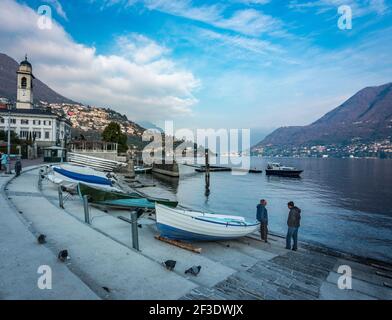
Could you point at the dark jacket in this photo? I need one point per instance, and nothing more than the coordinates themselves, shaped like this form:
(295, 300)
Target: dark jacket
(18, 166)
(294, 218)
(262, 214)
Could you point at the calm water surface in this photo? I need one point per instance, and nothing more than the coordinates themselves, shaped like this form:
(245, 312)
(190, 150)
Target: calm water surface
(346, 203)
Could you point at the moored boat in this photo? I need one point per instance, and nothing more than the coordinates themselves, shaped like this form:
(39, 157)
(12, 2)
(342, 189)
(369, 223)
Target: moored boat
(276, 169)
(120, 200)
(187, 225)
(142, 169)
(72, 174)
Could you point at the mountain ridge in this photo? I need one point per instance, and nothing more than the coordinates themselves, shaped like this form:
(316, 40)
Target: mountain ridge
(366, 116)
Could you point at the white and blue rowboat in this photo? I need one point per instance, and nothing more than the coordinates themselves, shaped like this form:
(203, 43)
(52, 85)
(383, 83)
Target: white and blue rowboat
(73, 174)
(186, 225)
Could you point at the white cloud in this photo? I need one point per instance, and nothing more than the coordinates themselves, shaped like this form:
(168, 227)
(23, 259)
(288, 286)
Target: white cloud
(245, 21)
(138, 80)
(360, 7)
(58, 7)
(262, 2)
(249, 44)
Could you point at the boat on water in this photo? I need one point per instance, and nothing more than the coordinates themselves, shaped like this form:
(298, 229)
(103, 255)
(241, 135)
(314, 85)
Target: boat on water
(120, 200)
(276, 169)
(142, 169)
(73, 174)
(187, 225)
(167, 169)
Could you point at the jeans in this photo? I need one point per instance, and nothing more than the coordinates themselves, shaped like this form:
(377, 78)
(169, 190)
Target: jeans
(264, 231)
(292, 232)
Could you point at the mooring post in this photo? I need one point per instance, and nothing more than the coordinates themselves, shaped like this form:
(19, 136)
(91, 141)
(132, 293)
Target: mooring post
(40, 181)
(86, 210)
(61, 198)
(135, 231)
(207, 176)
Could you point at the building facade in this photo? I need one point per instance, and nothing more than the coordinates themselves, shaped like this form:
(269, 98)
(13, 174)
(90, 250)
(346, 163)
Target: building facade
(25, 98)
(42, 126)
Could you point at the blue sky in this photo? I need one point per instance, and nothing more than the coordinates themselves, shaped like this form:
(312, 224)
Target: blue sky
(256, 64)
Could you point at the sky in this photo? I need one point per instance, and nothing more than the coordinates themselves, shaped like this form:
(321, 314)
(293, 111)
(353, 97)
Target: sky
(257, 64)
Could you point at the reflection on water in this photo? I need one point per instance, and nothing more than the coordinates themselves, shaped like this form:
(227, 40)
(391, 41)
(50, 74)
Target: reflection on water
(169, 182)
(346, 203)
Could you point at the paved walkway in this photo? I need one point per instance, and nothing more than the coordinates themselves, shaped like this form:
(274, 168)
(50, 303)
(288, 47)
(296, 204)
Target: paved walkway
(103, 265)
(21, 256)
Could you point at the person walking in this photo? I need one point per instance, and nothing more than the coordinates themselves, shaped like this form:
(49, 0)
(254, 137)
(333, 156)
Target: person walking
(18, 167)
(262, 217)
(293, 223)
(1, 163)
(4, 161)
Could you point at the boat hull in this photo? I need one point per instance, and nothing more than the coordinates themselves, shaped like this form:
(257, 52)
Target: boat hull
(128, 203)
(283, 173)
(196, 226)
(87, 178)
(120, 199)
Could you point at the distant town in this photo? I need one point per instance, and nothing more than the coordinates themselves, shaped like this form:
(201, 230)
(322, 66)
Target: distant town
(355, 149)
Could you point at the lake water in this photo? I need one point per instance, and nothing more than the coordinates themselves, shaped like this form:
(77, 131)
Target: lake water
(346, 203)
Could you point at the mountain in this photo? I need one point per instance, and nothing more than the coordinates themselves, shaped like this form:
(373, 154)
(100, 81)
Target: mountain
(150, 125)
(42, 92)
(366, 116)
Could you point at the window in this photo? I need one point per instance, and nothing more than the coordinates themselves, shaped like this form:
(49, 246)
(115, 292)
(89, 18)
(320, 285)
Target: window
(24, 82)
(2, 120)
(37, 122)
(37, 134)
(24, 134)
(50, 123)
(24, 121)
(47, 134)
(13, 121)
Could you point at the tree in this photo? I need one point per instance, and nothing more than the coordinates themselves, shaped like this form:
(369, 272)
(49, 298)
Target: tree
(14, 137)
(112, 133)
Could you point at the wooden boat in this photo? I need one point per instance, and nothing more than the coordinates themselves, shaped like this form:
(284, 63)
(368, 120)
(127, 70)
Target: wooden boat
(186, 225)
(276, 169)
(121, 200)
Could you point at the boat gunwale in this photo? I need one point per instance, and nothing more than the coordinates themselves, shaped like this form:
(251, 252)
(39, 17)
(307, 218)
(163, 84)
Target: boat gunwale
(178, 211)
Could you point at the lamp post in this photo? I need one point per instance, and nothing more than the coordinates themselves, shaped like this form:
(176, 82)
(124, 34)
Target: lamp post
(9, 140)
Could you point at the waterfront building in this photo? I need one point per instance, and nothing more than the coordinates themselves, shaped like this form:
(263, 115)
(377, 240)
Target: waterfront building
(41, 125)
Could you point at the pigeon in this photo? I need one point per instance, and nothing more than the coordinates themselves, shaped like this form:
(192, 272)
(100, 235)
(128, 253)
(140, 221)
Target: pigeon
(41, 239)
(195, 270)
(170, 264)
(63, 255)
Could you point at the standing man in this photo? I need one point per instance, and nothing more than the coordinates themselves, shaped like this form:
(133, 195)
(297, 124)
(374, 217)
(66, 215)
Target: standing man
(262, 217)
(1, 163)
(293, 223)
(18, 167)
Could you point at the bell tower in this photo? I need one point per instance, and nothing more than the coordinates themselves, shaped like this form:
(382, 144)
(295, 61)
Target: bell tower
(25, 78)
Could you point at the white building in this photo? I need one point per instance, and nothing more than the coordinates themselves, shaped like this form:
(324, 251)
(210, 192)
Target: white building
(46, 127)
